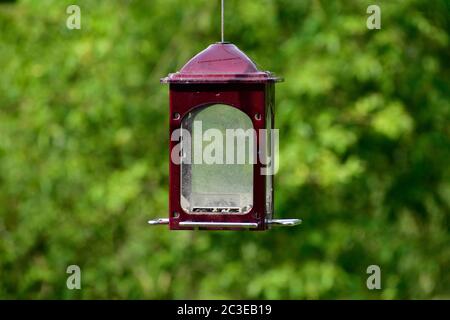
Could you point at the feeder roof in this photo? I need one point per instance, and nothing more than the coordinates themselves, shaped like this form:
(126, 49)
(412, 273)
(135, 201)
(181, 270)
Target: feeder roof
(220, 63)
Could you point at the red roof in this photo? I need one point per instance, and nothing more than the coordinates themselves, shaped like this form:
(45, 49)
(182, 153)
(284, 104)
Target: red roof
(220, 63)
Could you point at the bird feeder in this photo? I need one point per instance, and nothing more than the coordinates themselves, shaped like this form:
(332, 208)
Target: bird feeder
(222, 143)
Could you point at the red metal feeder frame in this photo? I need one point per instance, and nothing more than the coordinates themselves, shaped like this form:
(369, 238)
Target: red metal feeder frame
(223, 74)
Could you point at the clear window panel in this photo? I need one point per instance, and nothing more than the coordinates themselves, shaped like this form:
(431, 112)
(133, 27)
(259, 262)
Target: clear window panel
(223, 185)
(269, 155)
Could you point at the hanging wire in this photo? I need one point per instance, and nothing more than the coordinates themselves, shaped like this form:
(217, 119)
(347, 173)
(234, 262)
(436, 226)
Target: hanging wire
(222, 21)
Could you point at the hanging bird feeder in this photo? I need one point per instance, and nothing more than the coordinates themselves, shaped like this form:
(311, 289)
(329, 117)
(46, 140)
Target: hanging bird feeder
(222, 143)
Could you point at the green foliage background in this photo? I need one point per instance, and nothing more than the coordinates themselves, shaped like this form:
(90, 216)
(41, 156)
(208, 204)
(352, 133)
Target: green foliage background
(365, 148)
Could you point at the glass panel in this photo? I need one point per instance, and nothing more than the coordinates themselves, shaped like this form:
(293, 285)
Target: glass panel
(269, 178)
(217, 164)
